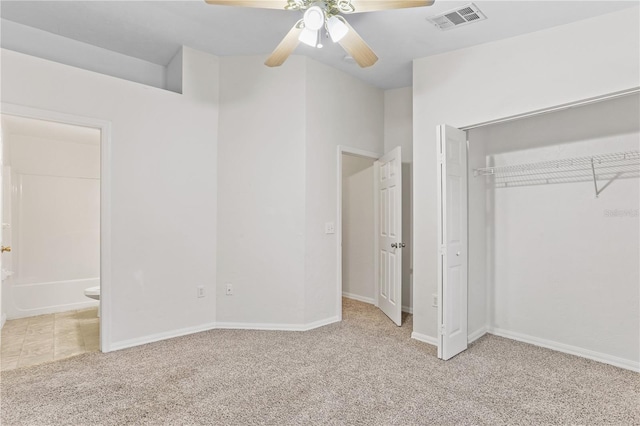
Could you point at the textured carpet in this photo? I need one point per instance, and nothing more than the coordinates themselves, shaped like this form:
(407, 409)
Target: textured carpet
(364, 370)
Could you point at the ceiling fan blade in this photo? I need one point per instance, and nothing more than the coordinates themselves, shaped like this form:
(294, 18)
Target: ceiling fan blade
(285, 48)
(373, 5)
(262, 4)
(357, 48)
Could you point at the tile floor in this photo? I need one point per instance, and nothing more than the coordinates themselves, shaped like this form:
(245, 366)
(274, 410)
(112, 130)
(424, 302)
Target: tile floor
(34, 340)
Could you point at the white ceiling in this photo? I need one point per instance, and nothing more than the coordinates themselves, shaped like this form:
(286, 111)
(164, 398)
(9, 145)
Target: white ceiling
(41, 129)
(154, 30)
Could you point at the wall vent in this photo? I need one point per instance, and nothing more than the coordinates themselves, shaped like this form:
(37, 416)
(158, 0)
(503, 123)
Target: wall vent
(458, 17)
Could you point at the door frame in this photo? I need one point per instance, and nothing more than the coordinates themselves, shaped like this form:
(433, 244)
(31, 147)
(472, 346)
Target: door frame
(105, 199)
(342, 149)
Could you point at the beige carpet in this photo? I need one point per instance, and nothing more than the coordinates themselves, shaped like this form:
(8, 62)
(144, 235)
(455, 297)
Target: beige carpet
(361, 371)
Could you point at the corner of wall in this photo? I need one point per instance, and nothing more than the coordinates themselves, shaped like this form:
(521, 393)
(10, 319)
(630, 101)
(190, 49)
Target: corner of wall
(174, 73)
(355, 110)
(200, 75)
(261, 193)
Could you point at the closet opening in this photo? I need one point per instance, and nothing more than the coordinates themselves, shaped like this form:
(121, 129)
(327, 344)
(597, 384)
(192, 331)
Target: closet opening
(553, 231)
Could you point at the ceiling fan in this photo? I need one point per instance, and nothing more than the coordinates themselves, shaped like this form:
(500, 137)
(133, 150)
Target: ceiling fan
(325, 15)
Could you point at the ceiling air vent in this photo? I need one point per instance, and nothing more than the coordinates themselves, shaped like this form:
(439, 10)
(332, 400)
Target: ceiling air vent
(458, 17)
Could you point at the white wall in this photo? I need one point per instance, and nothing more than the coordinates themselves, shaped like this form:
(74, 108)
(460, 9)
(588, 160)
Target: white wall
(340, 110)
(479, 242)
(358, 250)
(279, 132)
(562, 269)
(163, 184)
(398, 131)
(278, 187)
(261, 191)
(398, 121)
(552, 67)
(54, 223)
(46, 45)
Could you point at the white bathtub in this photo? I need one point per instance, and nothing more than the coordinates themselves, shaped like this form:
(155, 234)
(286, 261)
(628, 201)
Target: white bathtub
(28, 300)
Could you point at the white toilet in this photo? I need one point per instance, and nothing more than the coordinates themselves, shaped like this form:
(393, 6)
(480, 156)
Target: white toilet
(93, 293)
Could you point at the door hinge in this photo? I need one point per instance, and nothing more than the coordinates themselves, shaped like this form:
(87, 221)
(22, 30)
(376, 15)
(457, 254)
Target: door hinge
(443, 250)
(442, 329)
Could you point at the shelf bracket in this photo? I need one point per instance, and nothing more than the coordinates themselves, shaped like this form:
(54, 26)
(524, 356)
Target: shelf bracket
(595, 181)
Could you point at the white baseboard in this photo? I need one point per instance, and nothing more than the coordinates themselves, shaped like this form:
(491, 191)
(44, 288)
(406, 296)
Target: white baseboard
(568, 349)
(321, 323)
(424, 338)
(221, 325)
(476, 335)
(3, 319)
(359, 298)
(371, 301)
(276, 327)
(115, 346)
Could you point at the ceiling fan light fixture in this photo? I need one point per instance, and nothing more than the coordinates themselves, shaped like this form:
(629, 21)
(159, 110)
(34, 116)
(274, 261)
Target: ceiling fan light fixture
(309, 37)
(337, 29)
(314, 18)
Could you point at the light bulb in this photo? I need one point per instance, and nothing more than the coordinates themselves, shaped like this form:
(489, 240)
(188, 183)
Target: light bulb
(314, 18)
(308, 37)
(337, 29)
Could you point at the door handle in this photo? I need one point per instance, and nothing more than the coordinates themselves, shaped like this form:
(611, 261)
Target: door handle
(3, 249)
(458, 254)
(398, 245)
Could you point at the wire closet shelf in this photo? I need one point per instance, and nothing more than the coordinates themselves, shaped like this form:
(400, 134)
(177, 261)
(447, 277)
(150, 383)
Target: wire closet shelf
(603, 167)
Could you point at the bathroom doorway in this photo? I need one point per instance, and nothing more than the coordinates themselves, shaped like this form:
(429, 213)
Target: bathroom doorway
(51, 232)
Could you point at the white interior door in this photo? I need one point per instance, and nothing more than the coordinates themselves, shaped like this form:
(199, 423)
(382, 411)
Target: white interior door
(388, 189)
(452, 268)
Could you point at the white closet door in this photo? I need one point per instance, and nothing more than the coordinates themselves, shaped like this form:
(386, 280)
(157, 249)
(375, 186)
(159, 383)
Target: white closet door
(452, 268)
(388, 184)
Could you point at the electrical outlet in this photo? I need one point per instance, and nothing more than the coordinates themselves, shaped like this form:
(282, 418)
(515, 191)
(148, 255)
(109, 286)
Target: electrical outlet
(329, 228)
(435, 301)
(200, 291)
(229, 291)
